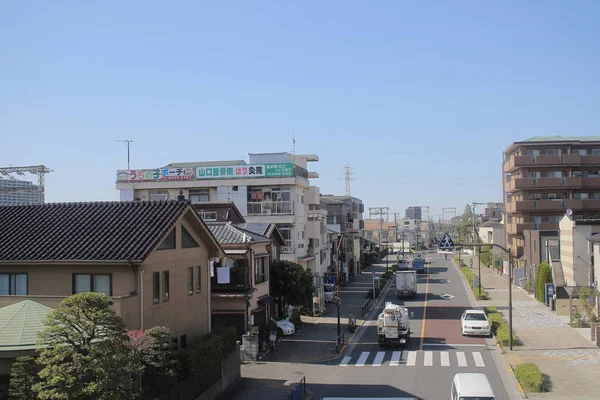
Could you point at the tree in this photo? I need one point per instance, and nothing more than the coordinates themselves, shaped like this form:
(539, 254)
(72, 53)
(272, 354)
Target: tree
(465, 226)
(544, 276)
(23, 376)
(84, 352)
(291, 283)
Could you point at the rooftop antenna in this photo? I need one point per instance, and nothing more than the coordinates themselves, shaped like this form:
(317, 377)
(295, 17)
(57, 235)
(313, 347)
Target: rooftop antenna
(128, 143)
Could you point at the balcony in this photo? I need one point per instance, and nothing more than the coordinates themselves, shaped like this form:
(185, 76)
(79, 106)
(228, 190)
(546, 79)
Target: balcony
(519, 228)
(582, 182)
(516, 162)
(238, 281)
(519, 183)
(535, 205)
(547, 160)
(583, 204)
(288, 248)
(270, 208)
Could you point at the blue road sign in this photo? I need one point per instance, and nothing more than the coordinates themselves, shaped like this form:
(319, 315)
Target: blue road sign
(446, 242)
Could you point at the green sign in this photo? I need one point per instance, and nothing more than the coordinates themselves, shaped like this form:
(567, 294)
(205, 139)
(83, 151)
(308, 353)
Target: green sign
(282, 170)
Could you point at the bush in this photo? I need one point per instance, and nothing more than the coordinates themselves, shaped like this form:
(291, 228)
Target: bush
(544, 276)
(209, 350)
(470, 278)
(490, 310)
(483, 295)
(530, 377)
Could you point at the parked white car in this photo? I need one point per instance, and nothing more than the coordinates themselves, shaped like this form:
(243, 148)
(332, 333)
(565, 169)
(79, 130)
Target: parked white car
(285, 327)
(475, 322)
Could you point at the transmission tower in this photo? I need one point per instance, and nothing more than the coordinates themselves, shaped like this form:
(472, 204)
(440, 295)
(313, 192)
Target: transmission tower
(38, 170)
(348, 172)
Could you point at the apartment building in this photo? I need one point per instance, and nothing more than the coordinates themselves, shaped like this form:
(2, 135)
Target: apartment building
(375, 229)
(270, 188)
(345, 217)
(493, 212)
(545, 176)
(413, 212)
(16, 191)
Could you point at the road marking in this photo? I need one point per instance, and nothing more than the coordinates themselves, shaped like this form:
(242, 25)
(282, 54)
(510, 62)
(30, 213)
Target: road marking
(462, 360)
(345, 361)
(428, 359)
(447, 296)
(445, 358)
(478, 359)
(411, 361)
(451, 345)
(424, 310)
(395, 358)
(362, 359)
(378, 358)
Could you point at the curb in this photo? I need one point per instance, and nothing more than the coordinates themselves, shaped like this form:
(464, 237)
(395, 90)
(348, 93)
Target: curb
(512, 371)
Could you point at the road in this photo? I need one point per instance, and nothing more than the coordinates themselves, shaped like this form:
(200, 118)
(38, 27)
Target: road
(422, 369)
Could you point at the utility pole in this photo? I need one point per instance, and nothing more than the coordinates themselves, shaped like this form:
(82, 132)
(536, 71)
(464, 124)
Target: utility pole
(128, 143)
(380, 211)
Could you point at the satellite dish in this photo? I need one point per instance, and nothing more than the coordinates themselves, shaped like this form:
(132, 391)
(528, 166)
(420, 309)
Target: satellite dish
(569, 212)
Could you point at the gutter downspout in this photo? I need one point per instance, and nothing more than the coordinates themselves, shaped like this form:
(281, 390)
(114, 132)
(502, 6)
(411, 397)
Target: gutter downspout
(141, 299)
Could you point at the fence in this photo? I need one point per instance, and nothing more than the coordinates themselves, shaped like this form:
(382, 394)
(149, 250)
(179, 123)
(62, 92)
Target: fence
(299, 391)
(193, 386)
(366, 308)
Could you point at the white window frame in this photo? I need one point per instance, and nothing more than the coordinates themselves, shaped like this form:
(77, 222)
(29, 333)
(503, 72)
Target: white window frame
(199, 195)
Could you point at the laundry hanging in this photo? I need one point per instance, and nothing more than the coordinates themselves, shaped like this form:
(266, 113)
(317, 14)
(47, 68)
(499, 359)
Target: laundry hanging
(223, 275)
(212, 268)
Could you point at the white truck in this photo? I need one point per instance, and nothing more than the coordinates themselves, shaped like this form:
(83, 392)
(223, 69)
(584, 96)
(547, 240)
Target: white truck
(406, 283)
(393, 324)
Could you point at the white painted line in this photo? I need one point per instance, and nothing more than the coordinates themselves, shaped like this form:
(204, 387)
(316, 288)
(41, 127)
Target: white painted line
(445, 357)
(362, 359)
(462, 360)
(428, 359)
(378, 358)
(453, 345)
(395, 358)
(345, 361)
(478, 359)
(411, 361)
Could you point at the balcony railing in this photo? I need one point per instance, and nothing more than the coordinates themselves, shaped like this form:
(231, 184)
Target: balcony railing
(551, 160)
(271, 208)
(568, 182)
(287, 249)
(238, 281)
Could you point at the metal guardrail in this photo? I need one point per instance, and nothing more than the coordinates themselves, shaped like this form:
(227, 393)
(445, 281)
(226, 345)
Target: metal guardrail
(299, 392)
(366, 308)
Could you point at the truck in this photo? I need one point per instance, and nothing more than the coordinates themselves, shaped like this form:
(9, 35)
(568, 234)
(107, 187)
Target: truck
(393, 324)
(406, 283)
(418, 264)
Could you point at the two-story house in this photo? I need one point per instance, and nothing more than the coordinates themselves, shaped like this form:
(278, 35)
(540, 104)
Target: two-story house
(151, 258)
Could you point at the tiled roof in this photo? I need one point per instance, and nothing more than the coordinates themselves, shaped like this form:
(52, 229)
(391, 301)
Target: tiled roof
(192, 164)
(20, 324)
(490, 224)
(260, 228)
(227, 233)
(100, 231)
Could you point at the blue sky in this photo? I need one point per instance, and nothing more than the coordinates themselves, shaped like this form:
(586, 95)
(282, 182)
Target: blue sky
(421, 98)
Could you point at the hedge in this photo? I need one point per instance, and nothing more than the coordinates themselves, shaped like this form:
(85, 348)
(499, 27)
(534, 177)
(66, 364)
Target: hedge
(530, 377)
(483, 295)
(209, 350)
(500, 328)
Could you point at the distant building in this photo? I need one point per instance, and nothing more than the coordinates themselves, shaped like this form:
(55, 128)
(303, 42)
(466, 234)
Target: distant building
(15, 191)
(413, 212)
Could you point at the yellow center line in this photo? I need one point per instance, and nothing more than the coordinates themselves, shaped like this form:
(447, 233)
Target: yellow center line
(424, 309)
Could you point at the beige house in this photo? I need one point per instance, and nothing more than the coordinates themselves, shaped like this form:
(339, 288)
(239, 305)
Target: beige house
(151, 258)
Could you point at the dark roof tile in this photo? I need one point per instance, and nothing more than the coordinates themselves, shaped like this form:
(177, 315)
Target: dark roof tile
(227, 233)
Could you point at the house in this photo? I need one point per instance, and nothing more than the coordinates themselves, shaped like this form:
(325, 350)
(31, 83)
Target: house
(492, 232)
(240, 289)
(151, 258)
(219, 211)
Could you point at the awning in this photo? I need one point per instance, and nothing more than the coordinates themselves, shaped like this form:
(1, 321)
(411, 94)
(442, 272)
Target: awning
(266, 299)
(236, 251)
(306, 258)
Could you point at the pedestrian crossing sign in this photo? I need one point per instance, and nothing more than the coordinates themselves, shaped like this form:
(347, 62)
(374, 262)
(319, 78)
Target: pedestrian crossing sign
(446, 242)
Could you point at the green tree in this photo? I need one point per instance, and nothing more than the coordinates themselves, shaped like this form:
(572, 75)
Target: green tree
(23, 375)
(84, 352)
(291, 283)
(465, 226)
(544, 275)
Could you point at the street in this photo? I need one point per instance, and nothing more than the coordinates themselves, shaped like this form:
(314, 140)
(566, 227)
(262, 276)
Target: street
(422, 369)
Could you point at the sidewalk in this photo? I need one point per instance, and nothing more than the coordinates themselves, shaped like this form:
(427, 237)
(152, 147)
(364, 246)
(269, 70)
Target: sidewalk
(315, 338)
(565, 355)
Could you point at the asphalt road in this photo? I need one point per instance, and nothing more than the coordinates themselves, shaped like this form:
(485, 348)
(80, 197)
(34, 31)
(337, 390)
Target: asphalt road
(423, 368)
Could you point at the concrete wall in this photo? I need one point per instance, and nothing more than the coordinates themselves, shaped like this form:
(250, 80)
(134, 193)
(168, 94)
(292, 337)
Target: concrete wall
(231, 373)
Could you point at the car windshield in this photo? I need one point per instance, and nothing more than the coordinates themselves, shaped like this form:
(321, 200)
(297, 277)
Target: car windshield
(475, 317)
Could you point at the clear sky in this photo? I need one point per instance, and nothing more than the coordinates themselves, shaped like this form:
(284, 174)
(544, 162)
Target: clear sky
(420, 97)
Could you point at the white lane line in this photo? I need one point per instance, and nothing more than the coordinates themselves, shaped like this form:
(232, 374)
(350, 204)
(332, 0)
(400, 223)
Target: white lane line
(362, 359)
(462, 360)
(395, 358)
(411, 361)
(428, 359)
(378, 358)
(445, 358)
(478, 359)
(345, 361)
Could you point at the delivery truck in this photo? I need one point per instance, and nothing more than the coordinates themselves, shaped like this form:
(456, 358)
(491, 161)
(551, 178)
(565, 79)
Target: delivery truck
(406, 283)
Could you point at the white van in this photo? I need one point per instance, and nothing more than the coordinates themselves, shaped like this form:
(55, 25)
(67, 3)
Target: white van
(470, 386)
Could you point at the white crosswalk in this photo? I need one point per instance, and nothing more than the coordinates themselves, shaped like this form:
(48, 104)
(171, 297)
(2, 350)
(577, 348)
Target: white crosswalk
(413, 358)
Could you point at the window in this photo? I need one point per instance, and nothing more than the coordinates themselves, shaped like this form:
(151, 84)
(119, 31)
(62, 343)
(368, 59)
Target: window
(169, 241)
(260, 265)
(100, 283)
(581, 152)
(536, 196)
(183, 341)
(13, 284)
(190, 280)
(187, 240)
(165, 285)
(554, 152)
(532, 152)
(554, 174)
(596, 152)
(301, 199)
(199, 195)
(158, 195)
(156, 287)
(208, 215)
(533, 174)
(198, 279)
(580, 196)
